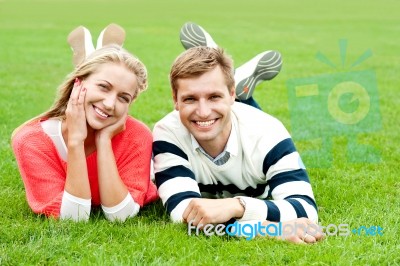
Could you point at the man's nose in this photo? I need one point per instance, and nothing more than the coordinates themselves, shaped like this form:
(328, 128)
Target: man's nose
(203, 109)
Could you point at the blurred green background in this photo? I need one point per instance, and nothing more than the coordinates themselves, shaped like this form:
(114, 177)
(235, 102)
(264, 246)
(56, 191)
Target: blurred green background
(35, 58)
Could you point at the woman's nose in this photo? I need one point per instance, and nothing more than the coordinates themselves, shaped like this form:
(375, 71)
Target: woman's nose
(109, 102)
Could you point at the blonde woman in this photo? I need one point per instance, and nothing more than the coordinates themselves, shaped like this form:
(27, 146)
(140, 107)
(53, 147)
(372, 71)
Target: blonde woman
(86, 151)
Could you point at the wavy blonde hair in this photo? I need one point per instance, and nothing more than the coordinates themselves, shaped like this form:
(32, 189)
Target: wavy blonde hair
(107, 54)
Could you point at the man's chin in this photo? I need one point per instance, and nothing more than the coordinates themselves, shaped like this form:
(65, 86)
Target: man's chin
(202, 136)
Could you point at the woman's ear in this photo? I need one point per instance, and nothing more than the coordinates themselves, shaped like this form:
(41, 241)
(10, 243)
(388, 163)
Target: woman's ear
(113, 33)
(81, 44)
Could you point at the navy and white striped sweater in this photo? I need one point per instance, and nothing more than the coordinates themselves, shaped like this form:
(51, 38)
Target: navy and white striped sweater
(267, 169)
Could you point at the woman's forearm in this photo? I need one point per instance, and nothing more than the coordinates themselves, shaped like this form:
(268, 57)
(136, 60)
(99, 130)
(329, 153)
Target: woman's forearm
(77, 181)
(112, 189)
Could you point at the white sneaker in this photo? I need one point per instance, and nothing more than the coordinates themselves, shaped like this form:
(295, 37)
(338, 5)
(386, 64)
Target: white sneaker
(81, 44)
(192, 35)
(264, 66)
(112, 34)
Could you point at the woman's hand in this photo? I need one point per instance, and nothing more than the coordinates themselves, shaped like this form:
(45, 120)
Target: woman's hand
(75, 114)
(77, 181)
(110, 131)
(111, 187)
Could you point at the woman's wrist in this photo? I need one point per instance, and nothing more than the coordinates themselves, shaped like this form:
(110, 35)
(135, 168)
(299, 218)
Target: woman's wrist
(71, 144)
(103, 140)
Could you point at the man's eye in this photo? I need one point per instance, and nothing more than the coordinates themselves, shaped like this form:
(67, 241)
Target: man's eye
(187, 100)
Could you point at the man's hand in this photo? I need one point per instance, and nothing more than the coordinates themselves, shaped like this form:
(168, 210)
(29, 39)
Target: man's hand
(212, 211)
(299, 231)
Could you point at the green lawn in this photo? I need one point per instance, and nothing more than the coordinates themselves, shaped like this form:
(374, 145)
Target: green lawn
(35, 57)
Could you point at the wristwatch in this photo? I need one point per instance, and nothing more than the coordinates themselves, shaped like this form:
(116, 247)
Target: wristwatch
(242, 202)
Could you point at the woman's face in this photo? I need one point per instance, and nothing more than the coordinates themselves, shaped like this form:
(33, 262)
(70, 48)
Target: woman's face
(109, 94)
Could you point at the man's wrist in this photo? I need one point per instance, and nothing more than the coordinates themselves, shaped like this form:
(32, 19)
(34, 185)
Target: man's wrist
(242, 207)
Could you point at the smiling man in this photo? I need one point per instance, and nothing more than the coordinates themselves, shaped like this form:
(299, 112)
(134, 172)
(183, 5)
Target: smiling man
(217, 160)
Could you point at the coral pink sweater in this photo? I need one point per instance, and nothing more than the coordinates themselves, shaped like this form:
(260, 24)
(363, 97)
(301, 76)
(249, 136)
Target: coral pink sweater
(44, 172)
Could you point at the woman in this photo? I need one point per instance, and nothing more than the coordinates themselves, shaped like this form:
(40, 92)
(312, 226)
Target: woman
(86, 151)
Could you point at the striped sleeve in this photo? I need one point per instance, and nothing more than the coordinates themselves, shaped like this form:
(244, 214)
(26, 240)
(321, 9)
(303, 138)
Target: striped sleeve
(287, 194)
(174, 178)
(288, 184)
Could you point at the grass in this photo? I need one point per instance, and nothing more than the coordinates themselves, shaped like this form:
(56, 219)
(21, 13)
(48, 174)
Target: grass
(35, 57)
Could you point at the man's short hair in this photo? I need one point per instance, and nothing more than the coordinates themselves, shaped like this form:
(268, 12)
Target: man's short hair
(198, 60)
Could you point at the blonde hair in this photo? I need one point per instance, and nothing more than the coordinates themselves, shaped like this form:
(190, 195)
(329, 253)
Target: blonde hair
(107, 54)
(198, 60)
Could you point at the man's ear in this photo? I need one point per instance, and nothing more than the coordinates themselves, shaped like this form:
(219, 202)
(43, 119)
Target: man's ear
(232, 93)
(175, 99)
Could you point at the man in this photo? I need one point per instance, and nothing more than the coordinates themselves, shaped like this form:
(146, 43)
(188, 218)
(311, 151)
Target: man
(216, 159)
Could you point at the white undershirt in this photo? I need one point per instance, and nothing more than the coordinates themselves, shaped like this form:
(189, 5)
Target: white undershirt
(78, 209)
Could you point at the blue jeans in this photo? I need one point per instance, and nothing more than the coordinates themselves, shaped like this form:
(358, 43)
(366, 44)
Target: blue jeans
(250, 101)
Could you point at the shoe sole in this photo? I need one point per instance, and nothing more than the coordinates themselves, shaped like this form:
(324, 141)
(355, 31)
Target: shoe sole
(192, 35)
(112, 34)
(264, 66)
(81, 44)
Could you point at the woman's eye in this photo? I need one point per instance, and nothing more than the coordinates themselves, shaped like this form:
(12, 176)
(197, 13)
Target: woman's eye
(103, 86)
(124, 99)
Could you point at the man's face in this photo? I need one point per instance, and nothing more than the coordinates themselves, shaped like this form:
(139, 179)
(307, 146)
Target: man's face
(204, 105)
